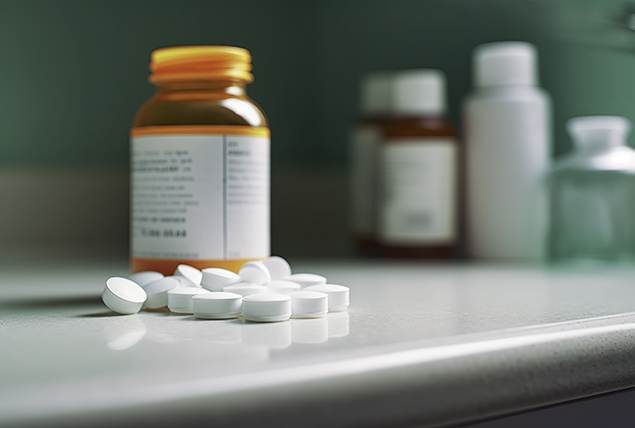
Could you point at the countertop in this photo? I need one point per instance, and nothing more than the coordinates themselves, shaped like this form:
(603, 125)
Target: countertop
(421, 344)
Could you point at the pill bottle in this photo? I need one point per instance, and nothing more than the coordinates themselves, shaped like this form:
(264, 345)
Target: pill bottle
(507, 123)
(593, 194)
(365, 139)
(418, 157)
(199, 164)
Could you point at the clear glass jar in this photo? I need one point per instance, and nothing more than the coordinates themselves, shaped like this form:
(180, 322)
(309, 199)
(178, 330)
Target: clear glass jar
(593, 194)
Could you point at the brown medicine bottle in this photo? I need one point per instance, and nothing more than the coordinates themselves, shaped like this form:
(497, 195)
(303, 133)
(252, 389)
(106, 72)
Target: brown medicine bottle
(365, 139)
(418, 158)
(199, 164)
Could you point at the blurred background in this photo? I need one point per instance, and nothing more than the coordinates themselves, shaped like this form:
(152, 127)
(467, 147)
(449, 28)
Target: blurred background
(73, 74)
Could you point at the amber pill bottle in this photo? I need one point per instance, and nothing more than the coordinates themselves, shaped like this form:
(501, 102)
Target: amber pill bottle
(200, 167)
(418, 159)
(365, 140)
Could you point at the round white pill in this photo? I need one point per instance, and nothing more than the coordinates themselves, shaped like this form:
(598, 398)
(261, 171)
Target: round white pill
(267, 307)
(282, 287)
(255, 272)
(338, 295)
(123, 295)
(309, 304)
(180, 299)
(278, 267)
(245, 288)
(214, 279)
(217, 306)
(192, 275)
(306, 279)
(157, 292)
(145, 277)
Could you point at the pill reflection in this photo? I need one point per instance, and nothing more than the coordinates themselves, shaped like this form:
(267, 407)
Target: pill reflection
(237, 336)
(219, 332)
(338, 324)
(275, 335)
(309, 330)
(124, 333)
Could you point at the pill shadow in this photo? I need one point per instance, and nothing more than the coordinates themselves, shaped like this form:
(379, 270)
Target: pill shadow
(193, 318)
(49, 302)
(103, 314)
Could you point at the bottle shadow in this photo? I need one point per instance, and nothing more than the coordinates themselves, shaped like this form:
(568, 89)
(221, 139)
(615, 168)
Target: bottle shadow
(49, 302)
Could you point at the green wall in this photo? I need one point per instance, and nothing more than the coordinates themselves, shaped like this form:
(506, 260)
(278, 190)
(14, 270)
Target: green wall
(73, 73)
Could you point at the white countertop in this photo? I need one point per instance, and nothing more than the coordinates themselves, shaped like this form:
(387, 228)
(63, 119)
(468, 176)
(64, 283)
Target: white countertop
(421, 344)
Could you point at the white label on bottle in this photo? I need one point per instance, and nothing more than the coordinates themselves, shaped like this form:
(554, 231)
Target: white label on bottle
(200, 197)
(419, 192)
(364, 142)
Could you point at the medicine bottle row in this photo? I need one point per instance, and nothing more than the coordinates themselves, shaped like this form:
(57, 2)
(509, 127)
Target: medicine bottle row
(415, 188)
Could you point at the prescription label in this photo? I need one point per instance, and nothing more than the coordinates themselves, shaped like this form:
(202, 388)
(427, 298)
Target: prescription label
(199, 196)
(418, 196)
(364, 144)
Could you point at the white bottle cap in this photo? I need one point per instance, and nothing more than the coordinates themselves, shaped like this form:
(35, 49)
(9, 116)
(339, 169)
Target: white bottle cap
(599, 131)
(418, 92)
(309, 304)
(217, 305)
(505, 64)
(267, 307)
(375, 94)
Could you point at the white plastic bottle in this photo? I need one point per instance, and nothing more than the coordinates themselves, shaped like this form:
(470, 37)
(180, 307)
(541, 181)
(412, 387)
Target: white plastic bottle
(507, 125)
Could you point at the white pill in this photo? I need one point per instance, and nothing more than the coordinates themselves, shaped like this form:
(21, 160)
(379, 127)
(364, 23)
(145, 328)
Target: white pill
(123, 295)
(192, 275)
(217, 306)
(282, 287)
(309, 304)
(278, 267)
(267, 307)
(338, 295)
(184, 282)
(214, 279)
(255, 272)
(306, 279)
(157, 292)
(180, 299)
(145, 277)
(245, 288)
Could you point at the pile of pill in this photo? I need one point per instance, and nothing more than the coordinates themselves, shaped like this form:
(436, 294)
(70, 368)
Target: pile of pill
(261, 291)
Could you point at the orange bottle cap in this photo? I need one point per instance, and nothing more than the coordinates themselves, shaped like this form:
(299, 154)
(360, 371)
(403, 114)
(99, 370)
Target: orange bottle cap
(201, 63)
